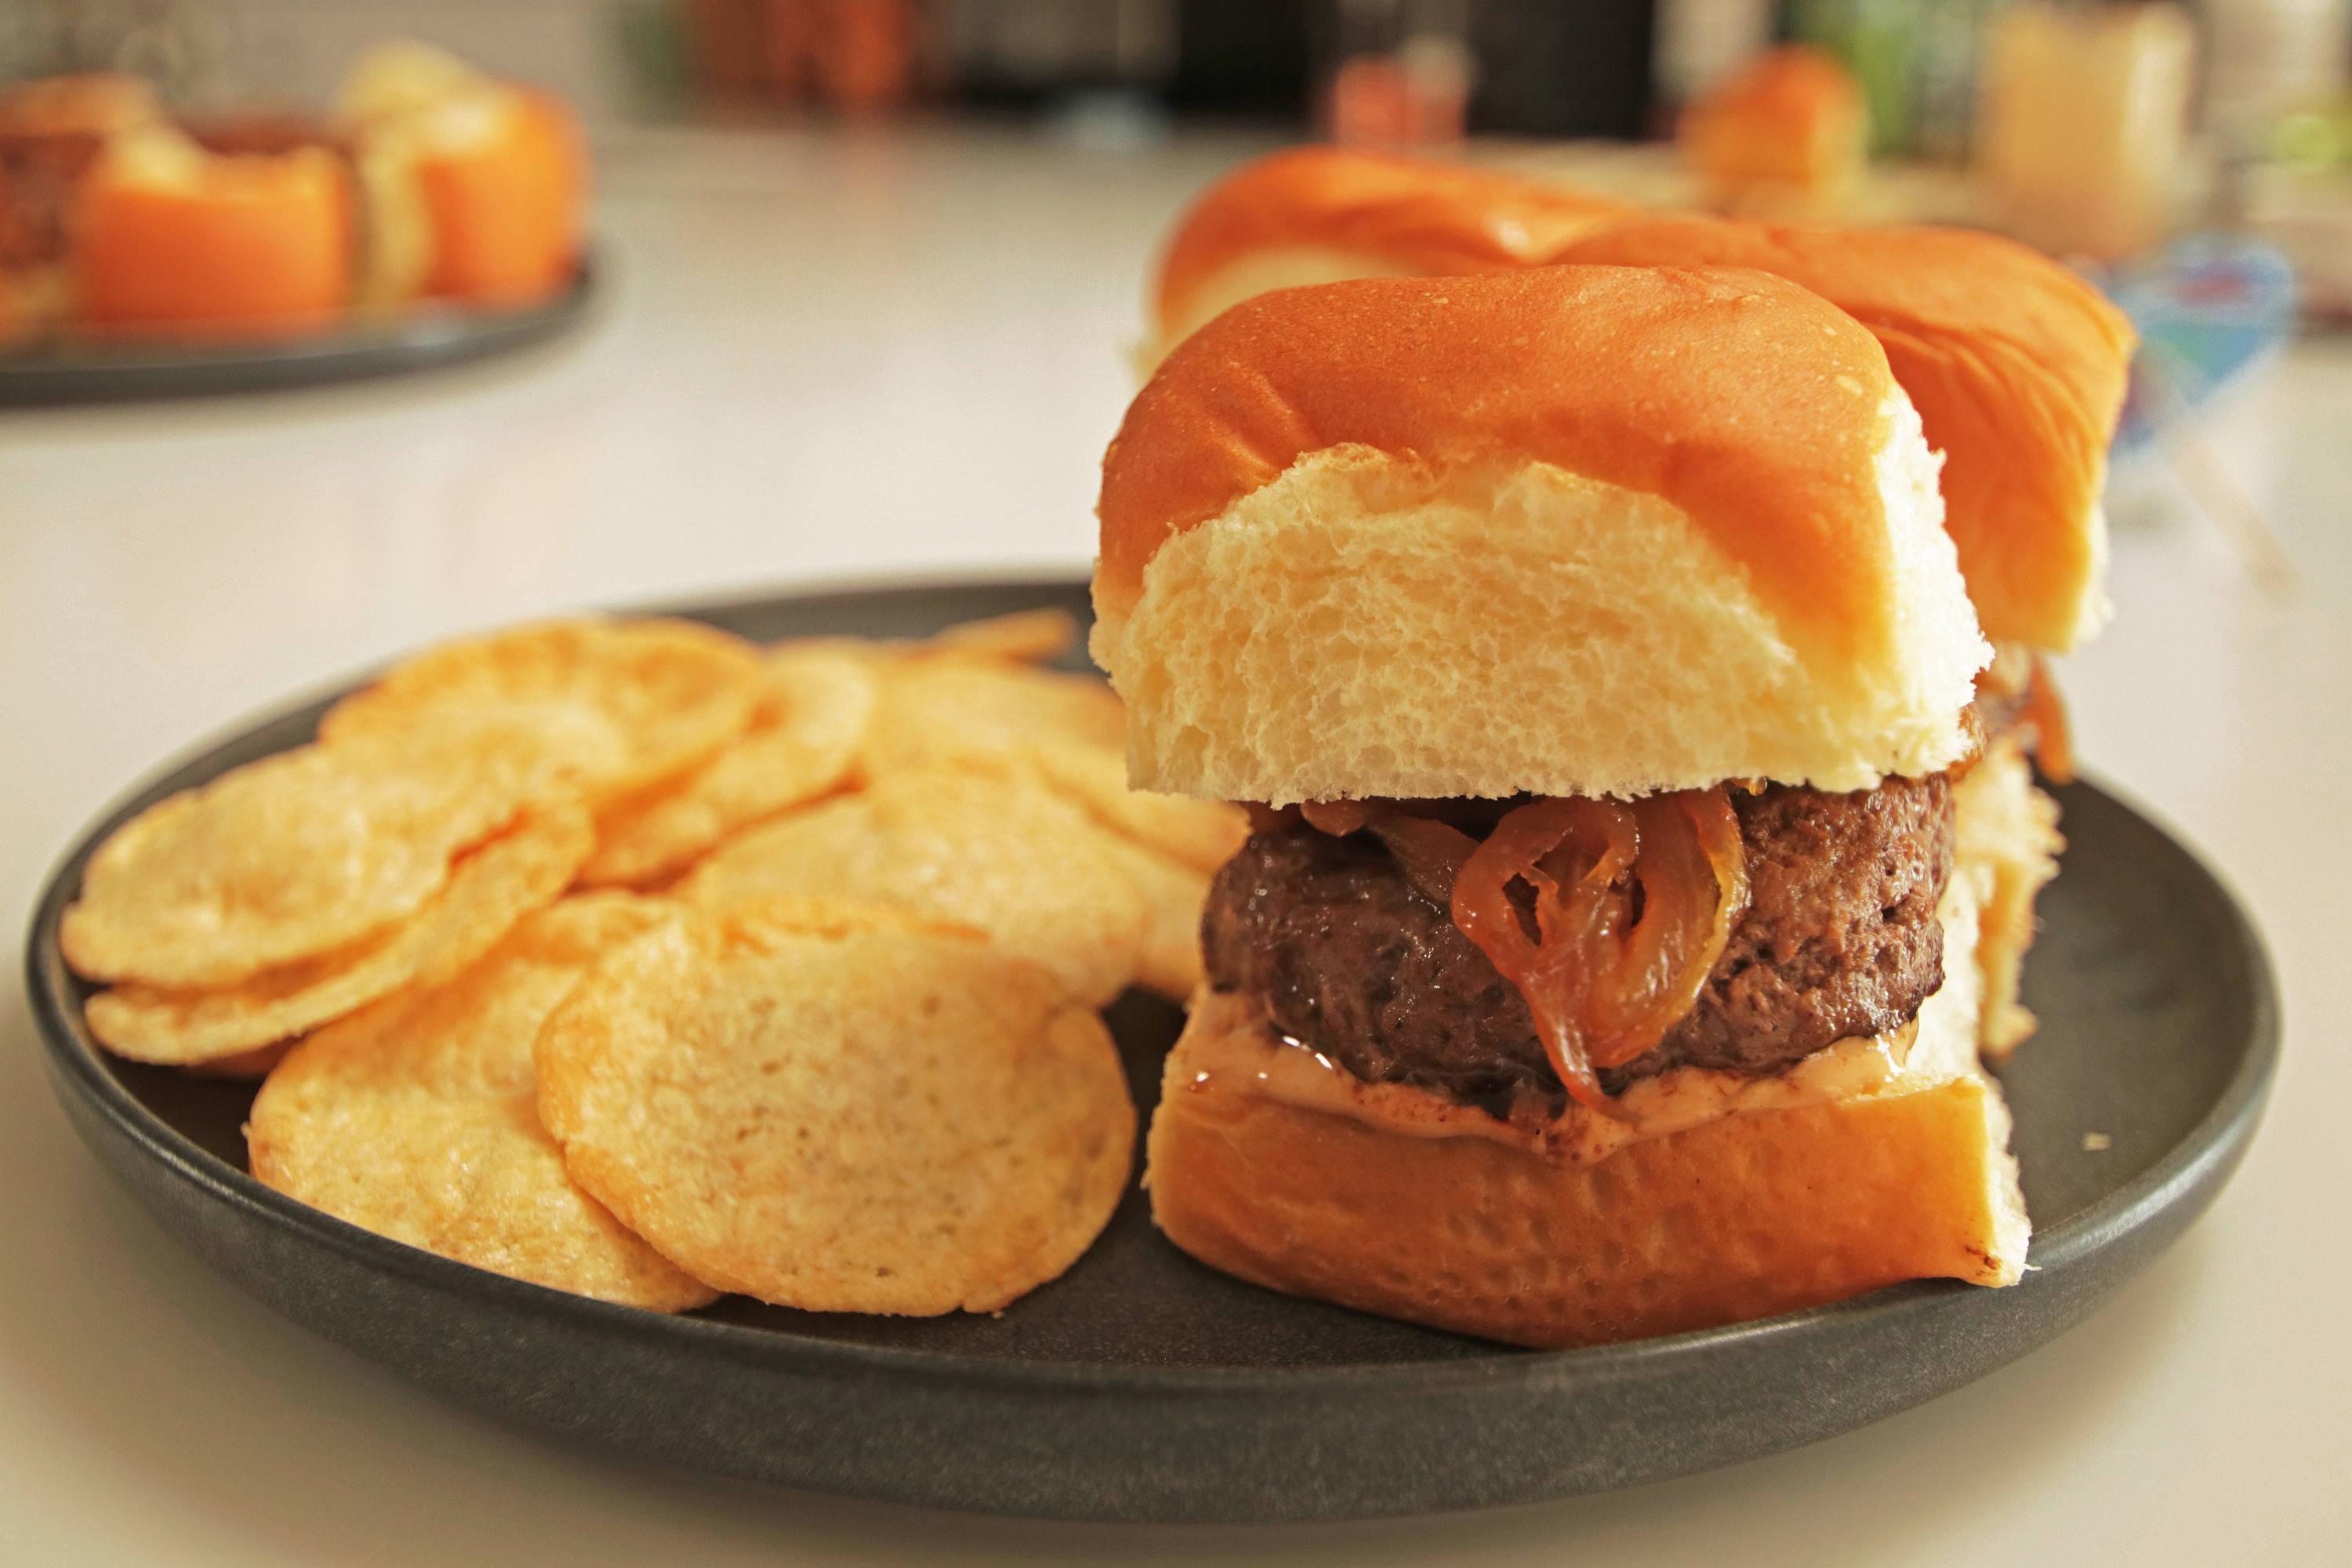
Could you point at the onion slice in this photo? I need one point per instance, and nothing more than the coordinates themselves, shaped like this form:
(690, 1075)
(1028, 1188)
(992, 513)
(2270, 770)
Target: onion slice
(1631, 904)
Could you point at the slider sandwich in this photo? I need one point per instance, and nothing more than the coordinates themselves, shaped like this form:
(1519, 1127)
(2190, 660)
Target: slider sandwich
(1589, 645)
(2017, 368)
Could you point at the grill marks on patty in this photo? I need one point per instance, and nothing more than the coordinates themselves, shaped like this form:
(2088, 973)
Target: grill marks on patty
(1840, 938)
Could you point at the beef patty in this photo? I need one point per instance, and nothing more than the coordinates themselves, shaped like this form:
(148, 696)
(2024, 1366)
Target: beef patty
(1840, 938)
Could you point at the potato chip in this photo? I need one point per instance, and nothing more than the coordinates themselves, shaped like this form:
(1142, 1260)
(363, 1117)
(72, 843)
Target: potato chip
(936, 710)
(876, 1122)
(993, 850)
(607, 707)
(1024, 636)
(1202, 834)
(282, 859)
(1169, 962)
(418, 1118)
(490, 888)
(831, 917)
(802, 743)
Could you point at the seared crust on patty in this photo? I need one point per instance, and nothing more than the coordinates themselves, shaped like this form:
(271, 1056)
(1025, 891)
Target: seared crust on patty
(1840, 937)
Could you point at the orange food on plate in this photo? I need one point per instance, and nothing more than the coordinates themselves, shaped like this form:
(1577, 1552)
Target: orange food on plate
(474, 187)
(506, 213)
(99, 104)
(167, 236)
(52, 134)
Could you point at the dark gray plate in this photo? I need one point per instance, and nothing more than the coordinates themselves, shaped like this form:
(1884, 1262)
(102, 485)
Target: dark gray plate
(420, 339)
(1142, 1386)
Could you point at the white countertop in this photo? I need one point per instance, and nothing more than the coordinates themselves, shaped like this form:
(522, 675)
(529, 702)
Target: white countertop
(825, 359)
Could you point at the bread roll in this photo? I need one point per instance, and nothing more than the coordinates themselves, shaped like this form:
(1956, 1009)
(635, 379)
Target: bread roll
(1574, 531)
(170, 237)
(2016, 364)
(1785, 136)
(476, 188)
(1318, 215)
(104, 104)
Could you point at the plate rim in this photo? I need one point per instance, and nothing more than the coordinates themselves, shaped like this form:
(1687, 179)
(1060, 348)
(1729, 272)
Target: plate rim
(429, 335)
(75, 1061)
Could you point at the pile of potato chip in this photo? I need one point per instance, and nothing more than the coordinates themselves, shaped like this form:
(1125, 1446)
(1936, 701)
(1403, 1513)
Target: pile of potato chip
(636, 960)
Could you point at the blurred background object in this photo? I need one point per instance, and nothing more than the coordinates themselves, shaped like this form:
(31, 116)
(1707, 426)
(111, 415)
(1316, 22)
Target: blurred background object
(1783, 135)
(2098, 130)
(1398, 73)
(2084, 122)
(146, 207)
(1411, 69)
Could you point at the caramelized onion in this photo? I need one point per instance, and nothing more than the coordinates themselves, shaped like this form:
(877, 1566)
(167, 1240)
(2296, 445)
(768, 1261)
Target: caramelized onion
(1631, 905)
(2054, 742)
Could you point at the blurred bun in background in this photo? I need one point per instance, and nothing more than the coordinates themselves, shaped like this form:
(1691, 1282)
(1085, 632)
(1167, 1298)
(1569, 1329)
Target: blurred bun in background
(167, 234)
(1785, 136)
(474, 189)
(429, 181)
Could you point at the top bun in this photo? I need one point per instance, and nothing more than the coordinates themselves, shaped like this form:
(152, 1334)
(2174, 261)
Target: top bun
(1318, 215)
(2017, 367)
(1791, 121)
(1570, 530)
(102, 104)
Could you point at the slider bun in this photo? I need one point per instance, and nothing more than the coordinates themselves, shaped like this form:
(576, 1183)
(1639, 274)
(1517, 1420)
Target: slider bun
(1565, 530)
(1318, 215)
(102, 104)
(474, 188)
(2017, 367)
(168, 237)
(1789, 126)
(1729, 1218)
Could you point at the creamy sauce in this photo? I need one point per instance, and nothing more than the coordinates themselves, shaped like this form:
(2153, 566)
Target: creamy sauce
(1235, 1049)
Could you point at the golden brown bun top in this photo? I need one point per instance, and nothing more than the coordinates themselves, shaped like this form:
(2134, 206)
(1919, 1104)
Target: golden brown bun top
(99, 104)
(1416, 214)
(1752, 406)
(2016, 364)
(1794, 113)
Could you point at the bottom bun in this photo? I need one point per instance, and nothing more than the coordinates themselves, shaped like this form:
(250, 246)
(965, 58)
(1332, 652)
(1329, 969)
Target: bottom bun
(2006, 843)
(1721, 1200)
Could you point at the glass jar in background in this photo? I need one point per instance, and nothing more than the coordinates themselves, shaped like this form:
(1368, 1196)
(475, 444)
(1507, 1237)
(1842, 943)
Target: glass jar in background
(2083, 124)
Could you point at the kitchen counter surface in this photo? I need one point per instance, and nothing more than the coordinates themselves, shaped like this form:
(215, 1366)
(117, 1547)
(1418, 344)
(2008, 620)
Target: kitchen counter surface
(828, 359)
